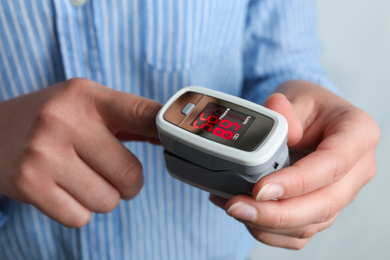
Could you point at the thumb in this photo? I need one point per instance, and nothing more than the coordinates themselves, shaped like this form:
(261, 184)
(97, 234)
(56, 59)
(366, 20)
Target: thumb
(127, 114)
(279, 103)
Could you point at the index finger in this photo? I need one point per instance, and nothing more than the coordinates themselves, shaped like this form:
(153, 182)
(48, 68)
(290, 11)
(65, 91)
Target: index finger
(127, 114)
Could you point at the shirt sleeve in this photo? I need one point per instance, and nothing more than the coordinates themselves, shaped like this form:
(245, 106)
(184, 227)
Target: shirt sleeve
(281, 44)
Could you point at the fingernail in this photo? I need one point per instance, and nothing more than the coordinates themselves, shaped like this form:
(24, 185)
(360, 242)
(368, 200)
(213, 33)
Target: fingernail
(277, 94)
(243, 211)
(270, 191)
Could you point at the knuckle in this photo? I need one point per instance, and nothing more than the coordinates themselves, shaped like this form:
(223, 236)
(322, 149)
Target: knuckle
(80, 89)
(70, 216)
(107, 203)
(52, 117)
(373, 132)
(131, 174)
(25, 178)
(280, 219)
(301, 181)
(47, 115)
(77, 85)
(139, 107)
(129, 178)
(78, 220)
(144, 105)
(329, 211)
(68, 108)
(307, 232)
(370, 169)
(341, 166)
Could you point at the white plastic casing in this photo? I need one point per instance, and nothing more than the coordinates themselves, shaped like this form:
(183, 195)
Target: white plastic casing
(263, 153)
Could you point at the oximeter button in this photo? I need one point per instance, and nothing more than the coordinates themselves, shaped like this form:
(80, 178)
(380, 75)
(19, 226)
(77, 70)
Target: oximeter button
(187, 109)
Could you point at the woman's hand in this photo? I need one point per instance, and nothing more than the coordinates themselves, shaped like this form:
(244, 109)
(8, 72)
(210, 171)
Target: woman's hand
(336, 144)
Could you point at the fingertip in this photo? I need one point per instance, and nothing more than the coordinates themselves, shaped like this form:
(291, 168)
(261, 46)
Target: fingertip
(76, 216)
(80, 220)
(276, 101)
(280, 104)
(129, 113)
(218, 201)
(108, 202)
(66, 211)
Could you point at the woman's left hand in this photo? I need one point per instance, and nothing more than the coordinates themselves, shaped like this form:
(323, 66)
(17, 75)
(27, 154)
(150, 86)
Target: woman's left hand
(291, 205)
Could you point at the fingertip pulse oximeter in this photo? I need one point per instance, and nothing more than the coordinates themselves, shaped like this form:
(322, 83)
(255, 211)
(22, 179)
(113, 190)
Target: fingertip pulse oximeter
(221, 143)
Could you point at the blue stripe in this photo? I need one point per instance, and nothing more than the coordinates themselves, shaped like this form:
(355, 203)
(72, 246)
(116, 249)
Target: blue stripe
(23, 50)
(8, 244)
(35, 42)
(10, 56)
(99, 29)
(17, 237)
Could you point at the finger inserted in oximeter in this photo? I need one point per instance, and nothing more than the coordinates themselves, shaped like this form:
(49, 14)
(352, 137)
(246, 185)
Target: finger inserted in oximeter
(221, 143)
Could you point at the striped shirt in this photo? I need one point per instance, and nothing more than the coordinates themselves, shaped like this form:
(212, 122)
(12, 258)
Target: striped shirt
(150, 48)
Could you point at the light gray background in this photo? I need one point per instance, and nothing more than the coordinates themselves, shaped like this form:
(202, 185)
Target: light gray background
(356, 39)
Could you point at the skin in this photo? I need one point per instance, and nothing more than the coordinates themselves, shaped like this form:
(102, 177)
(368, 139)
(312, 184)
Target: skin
(335, 145)
(61, 152)
(61, 149)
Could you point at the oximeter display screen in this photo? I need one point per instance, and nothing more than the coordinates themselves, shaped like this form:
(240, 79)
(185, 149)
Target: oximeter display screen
(219, 120)
(222, 122)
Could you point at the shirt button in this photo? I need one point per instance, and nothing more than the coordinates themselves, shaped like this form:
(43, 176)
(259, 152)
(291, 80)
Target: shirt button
(78, 2)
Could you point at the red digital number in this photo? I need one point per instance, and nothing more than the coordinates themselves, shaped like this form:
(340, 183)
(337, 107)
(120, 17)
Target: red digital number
(201, 117)
(228, 124)
(206, 127)
(223, 133)
(208, 119)
(213, 119)
(207, 124)
(194, 124)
